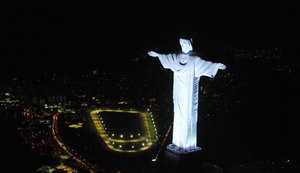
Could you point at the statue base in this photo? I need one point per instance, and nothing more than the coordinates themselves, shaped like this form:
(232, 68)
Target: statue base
(180, 160)
(182, 151)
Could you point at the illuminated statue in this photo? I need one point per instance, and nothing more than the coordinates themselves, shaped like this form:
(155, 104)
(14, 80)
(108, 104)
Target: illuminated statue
(187, 70)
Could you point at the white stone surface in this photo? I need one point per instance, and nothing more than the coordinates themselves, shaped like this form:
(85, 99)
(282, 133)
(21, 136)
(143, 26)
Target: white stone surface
(187, 70)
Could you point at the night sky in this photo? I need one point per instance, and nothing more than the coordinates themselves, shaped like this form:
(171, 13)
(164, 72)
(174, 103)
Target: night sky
(72, 36)
(78, 35)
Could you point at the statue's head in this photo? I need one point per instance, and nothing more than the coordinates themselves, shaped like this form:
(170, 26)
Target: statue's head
(186, 45)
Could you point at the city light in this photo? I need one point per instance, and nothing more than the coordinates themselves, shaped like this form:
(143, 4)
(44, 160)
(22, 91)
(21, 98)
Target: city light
(149, 127)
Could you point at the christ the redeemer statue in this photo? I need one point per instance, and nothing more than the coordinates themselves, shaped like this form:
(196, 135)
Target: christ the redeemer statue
(187, 70)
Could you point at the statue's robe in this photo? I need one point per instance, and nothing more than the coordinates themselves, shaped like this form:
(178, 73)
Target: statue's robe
(185, 95)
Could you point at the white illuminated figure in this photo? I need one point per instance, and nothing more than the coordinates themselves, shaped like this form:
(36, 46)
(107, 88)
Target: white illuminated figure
(187, 70)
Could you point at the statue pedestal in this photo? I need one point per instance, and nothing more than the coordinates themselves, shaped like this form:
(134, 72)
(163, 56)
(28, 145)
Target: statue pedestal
(181, 160)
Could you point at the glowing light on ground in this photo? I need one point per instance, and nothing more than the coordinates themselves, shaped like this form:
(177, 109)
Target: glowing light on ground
(58, 139)
(138, 143)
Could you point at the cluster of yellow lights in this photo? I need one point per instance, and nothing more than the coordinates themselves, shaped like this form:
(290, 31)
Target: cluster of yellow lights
(75, 126)
(66, 168)
(110, 141)
(61, 144)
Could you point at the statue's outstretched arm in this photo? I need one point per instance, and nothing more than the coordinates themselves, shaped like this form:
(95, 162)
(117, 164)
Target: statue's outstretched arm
(153, 54)
(221, 66)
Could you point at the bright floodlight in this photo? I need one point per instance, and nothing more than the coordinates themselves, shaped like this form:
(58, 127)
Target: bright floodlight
(187, 70)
